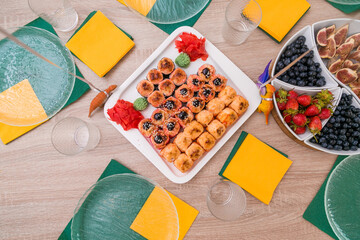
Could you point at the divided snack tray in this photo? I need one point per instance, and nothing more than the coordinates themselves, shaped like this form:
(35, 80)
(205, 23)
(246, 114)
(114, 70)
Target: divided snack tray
(127, 91)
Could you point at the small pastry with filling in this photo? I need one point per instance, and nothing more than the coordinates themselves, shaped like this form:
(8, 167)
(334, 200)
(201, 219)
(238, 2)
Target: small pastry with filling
(159, 116)
(170, 152)
(184, 115)
(171, 105)
(166, 66)
(194, 129)
(156, 98)
(215, 106)
(206, 71)
(239, 105)
(204, 117)
(184, 93)
(196, 104)
(183, 163)
(159, 139)
(145, 88)
(218, 82)
(216, 128)
(227, 95)
(206, 93)
(178, 76)
(154, 76)
(206, 141)
(171, 127)
(166, 87)
(195, 83)
(182, 141)
(227, 117)
(194, 151)
(146, 127)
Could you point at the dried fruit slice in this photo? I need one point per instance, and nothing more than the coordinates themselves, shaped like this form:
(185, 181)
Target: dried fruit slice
(355, 55)
(356, 83)
(330, 30)
(329, 50)
(347, 63)
(321, 37)
(355, 66)
(340, 35)
(356, 91)
(346, 75)
(345, 48)
(335, 66)
(356, 38)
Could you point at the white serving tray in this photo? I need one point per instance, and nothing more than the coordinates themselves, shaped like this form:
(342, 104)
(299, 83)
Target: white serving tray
(127, 91)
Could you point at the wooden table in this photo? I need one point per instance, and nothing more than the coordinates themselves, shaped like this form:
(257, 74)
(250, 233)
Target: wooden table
(39, 187)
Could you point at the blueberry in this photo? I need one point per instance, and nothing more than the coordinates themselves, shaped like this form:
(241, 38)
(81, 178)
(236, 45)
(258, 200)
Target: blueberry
(337, 124)
(356, 134)
(320, 83)
(342, 131)
(332, 142)
(288, 53)
(353, 148)
(312, 140)
(330, 146)
(338, 148)
(342, 137)
(291, 73)
(339, 142)
(322, 139)
(347, 148)
(303, 74)
(312, 68)
(287, 61)
(318, 70)
(324, 145)
(310, 84)
(302, 39)
(292, 81)
(332, 120)
(336, 112)
(309, 62)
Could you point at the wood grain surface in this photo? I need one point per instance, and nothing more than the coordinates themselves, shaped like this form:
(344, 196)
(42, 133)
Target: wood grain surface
(39, 187)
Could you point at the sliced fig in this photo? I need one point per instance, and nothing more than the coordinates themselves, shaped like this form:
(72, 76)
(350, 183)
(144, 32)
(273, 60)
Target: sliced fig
(347, 63)
(355, 55)
(330, 30)
(355, 66)
(346, 75)
(340, 34)
(329, 50)
(356, 83)
(356, 91)
(344, 49)
(336, 66)
(356, 38)
(321, 37)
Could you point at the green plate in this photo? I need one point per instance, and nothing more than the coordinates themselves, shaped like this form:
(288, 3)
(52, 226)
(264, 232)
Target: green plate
(346, 2)
(342, 199)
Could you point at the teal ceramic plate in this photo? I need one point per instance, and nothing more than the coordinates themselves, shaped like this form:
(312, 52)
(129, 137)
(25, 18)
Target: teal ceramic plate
(342, 199)
(108, 209)
(346, 2)
(51, 85)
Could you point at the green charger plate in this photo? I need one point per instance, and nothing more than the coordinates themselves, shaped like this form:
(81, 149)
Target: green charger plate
(346, 2)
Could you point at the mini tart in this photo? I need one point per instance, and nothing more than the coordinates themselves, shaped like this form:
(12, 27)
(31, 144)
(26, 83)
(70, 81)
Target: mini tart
(194, 151)
(145, 88)
(194, 129)
(166, 87)
(184, 93)
(215, 106)
(166, 66)
(239, 105)
(206, 141)
(206, 93)
(216, 128)
(156, 98)
(159, 116)
(195, 82)
(218, 82)
(182, 141)
(146, 127)
(178, 76)
(170, 152)
(227, 117)
(184, 115)
(171, 105)
(206, 71)
(196, 104)
(159, 139)
(204, 117)
(154, 76)
(183, 163)
(227, 95)
(171, 127)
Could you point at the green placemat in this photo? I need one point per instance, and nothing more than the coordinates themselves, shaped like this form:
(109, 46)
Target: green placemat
(345, 8)
(315, 212)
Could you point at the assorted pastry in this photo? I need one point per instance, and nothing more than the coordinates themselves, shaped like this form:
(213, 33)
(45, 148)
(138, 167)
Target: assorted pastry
(192, 112)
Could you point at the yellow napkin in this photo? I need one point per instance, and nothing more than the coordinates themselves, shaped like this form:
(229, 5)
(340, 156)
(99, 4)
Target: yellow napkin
(149, 221)
(100, 44)
(256, 167)
(279, 16)
(141, 6)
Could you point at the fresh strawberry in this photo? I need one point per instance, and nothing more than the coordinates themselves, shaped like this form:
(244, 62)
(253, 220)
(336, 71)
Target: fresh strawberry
(304, 100)
(312, 110)
(298, 130)
(281, 94)
(319, 103)
(325, 113)
(281, 105)
(325, 95)
(315, 125)
(287, 117)
(292, 95)
(292, 106)
(299, 119)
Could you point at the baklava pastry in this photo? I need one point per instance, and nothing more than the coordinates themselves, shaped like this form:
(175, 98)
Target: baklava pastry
(215, 106)
(227, 117)
(166, 66)
(206, 71)
(204, 117)
(145, 88)
(171, 105)
(216, 128)
(194, 129)
(183, 163)
(184, 93)
(146, 127)
(185, 116)
(196, 104)
(171, 127)
(227, 95)
(167, 87)
(239, 105)
(159, 116)
(194, 151)
(156, 98)
(195, 83)
(178, 76)
(170, 152)
(218, 82)
(206, 93)
(183, 141)
(206, 141)
(159, 139)
(154, 76)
